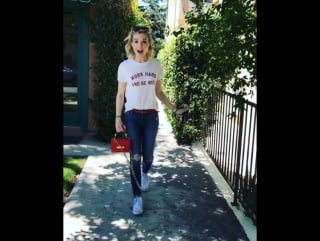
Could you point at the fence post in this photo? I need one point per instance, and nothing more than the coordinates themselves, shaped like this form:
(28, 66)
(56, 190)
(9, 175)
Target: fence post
(238, 161)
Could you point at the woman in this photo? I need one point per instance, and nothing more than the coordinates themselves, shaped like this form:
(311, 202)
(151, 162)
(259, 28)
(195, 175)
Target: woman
(139, 82)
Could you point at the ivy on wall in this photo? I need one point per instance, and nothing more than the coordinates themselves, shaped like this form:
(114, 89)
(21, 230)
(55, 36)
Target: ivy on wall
(112, 22)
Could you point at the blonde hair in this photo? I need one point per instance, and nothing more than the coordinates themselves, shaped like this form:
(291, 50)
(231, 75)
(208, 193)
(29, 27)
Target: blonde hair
(129, 51)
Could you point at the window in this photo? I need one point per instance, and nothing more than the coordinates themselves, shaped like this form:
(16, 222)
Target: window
(70, 63)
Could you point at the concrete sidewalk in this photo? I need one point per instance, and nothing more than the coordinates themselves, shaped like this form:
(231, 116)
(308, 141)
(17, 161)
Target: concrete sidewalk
(188, 199)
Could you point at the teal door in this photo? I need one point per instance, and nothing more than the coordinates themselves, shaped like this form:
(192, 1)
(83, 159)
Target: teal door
(75, 65)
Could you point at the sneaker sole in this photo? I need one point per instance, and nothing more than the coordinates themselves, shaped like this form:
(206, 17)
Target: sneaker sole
(137, 213)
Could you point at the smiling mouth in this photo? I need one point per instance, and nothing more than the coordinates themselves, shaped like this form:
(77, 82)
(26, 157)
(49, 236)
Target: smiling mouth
(140, 51)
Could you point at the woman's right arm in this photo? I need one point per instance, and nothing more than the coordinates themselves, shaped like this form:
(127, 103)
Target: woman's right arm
(120, 127)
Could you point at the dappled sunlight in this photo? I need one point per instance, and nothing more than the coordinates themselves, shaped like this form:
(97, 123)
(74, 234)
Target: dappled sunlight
(116, 176)
(219, 211)
(122, 223)
(98, 221)
(73, 204)
(154, 174)
(166, 163)
(91, 149)
(72, 223)
(139, 234)
(175, 238)
(182, 204)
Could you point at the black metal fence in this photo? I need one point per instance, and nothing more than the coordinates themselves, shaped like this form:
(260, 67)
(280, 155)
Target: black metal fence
(230, 138)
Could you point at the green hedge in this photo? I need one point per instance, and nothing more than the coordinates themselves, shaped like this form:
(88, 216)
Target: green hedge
(211, 52)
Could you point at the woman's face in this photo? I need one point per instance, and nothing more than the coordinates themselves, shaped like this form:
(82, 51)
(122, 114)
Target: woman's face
(140, 44)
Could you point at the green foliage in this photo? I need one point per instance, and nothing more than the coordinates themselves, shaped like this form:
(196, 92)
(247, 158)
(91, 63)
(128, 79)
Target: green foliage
(72, 166)
(156, 15)
(111, 24)
(185, 86)
(212, 51)
(226, 36)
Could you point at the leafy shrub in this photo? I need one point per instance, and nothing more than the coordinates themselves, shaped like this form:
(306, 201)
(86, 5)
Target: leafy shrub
(210, 52)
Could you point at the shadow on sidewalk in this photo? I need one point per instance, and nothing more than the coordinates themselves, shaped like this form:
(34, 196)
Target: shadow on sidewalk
(183, 203)
(69, 140)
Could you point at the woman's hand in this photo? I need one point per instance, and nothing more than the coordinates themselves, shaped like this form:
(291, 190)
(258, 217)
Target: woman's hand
(120, 127)
(182, 110)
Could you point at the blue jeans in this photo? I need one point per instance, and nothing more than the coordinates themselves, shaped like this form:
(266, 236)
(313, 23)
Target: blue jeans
(142, 129)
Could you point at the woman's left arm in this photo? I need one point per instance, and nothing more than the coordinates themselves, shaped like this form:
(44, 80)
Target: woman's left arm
(165, 100)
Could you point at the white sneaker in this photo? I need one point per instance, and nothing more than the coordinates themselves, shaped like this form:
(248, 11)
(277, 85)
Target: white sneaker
(144, 181)
(137, 206)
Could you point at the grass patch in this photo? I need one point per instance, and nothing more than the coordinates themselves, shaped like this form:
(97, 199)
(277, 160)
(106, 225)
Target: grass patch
(72, 167)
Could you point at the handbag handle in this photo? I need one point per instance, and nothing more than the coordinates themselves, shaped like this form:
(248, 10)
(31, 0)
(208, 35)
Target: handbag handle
(120, 134)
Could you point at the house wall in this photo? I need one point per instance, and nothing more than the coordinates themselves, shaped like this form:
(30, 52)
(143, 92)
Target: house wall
(177, 10)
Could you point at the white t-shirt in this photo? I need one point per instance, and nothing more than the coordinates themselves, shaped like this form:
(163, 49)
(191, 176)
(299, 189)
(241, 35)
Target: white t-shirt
(141, 80)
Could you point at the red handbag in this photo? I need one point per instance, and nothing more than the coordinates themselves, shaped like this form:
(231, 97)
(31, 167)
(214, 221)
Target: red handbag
(120, 143)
